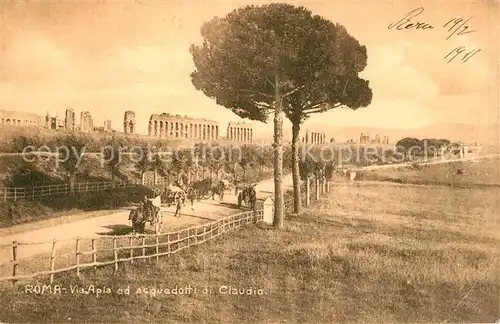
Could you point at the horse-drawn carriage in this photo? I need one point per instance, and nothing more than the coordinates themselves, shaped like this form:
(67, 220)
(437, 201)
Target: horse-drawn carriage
(206, 188)
(202, 189)
(171, 194)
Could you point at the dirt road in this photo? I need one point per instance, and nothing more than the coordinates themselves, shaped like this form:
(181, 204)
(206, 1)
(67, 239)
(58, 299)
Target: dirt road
(118, 223)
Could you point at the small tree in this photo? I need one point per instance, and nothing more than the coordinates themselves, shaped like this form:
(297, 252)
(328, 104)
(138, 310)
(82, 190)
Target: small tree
(158, 166)
(73, 155)
(182, 162)
(144, 164)
(215, 160)
(247, 159)
(112, 159)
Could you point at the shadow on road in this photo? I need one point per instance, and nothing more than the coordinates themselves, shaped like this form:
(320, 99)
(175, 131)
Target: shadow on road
(165, 220)
(117, 230)
(229, 205)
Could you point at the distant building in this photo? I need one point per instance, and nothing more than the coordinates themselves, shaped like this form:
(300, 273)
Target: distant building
(107, 126)
(240, 132)
(176, 126)
(314, 137)
(364, 139)
(86, 123)
(376, 140)
(69, 119)
(54, 122)
(16, 118)
(129, 126)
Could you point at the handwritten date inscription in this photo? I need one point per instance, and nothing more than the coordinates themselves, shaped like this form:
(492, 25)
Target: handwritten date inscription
(462, 51)
(458, 26)
(455, 27)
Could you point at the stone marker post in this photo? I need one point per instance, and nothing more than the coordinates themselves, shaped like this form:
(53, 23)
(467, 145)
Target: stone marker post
(268, 211)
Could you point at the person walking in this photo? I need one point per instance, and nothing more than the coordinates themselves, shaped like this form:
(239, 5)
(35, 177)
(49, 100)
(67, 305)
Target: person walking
(178, 207)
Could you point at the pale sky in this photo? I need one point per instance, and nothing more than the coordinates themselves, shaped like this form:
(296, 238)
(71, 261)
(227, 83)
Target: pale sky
(111, 56)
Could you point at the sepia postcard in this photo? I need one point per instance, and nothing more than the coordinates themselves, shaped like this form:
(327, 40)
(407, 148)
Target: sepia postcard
(210, 161)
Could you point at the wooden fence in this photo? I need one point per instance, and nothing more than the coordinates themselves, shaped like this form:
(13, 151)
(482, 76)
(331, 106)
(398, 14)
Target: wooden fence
(31, 193)
(114, 249)
(57, 256)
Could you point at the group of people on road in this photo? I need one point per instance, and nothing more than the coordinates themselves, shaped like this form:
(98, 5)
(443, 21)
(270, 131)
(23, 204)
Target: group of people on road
(149, 208)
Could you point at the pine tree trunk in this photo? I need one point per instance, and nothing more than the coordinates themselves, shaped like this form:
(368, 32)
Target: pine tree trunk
(278, 158)
(297, 206)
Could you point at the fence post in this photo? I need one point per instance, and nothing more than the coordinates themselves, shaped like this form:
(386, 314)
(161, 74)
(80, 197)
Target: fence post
(327, 186)
(144, 246)
(52, 261)
(15, 194)
(115, 252)
(317, 189)
(131, 250)
(94, 252)
(77, 256)
(33, 193)
(308, 191)
(168, 245)
(4, 194)
(157, 247)
(14, 260)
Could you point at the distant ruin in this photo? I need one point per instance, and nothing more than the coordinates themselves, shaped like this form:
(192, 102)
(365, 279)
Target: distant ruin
(240, 132)
(20, 119)
(364, 138)
(129, 125)
(69, 119)
(314, 137)
(86, 122)
(160, 125)
(176, 126)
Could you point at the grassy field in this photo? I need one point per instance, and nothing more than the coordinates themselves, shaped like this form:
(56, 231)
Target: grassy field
(484, 173)
(367, 252)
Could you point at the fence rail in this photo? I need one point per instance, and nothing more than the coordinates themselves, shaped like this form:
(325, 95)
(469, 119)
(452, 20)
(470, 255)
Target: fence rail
(103, 250)
(30, 193)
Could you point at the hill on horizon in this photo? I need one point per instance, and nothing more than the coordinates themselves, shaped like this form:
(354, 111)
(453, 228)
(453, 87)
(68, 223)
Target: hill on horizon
(484, 134)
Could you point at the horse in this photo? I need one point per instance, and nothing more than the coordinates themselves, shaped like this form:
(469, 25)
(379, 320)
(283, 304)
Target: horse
(219, 188)
(249, 196)
(138, 219)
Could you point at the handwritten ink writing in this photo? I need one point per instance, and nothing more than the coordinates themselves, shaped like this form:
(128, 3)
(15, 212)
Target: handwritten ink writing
(460, 50)
(406, 21)
(458, 26)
